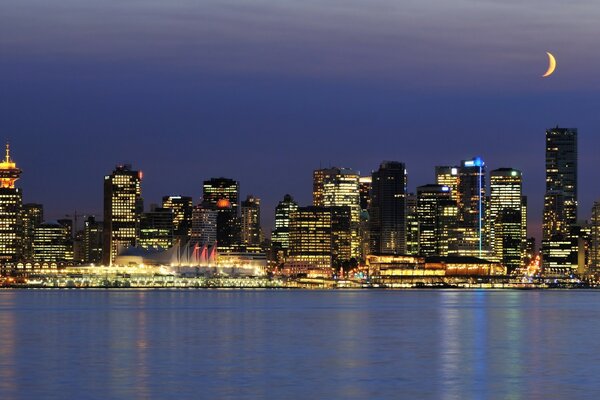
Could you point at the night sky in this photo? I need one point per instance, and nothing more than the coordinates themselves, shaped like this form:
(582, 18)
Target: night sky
(265, 91)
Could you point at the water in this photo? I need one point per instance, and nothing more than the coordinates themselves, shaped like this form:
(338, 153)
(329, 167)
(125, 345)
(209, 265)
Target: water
(85, 344)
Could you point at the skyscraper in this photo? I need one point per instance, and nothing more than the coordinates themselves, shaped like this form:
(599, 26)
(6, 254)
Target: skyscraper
(471, 196)
(52, 244)
(204, 226)
(92, 240)
(437, 215)
(222, 195)
(11, 200)
(506, 217)
(560, 202)
(122, 209)
(448, 176)
(412, 225)
(365, 183)
(280, 237)
(339, 187)
(595, 237)
(388, 209)
(182, 207)
(32, 215)
(251, 230)
(156, 228)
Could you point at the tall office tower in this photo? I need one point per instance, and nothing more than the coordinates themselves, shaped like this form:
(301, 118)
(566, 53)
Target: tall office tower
(365, 183)
(437, 215)
(123, 207)
(320, 236)
(387, 214)
(595, 238)
(280, 237)
(52, 243)
(156, 228)
(222, 194)
(68, 225)
(11, 200)
(204, 226)
(32, 215)
(471, 197)
(506, 217)
(448, 176)
(560, 202)
(92, 241)
(251, 230)
(524, 229)
(182, 207)
(412, 225)
(339, 187)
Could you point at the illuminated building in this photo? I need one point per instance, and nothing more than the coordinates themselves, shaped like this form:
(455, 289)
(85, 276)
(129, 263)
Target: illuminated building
(32, 215)
(222, 194)
(471, 237)
(436, 214)
(11, 200)
(123, 207)
(52, 243)
(595, 237)
(156, 228)
(387, 214)
(92, 241)
(182, 207)
(365, 183)
(319, 237)
(560, 201)
(204, 226)
(280, 237)
(506, 217)
(251, 231)
(412, 225)
(448, 176)
(339, 187)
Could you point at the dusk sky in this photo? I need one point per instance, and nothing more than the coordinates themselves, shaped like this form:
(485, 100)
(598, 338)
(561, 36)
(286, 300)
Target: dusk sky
(265, 91)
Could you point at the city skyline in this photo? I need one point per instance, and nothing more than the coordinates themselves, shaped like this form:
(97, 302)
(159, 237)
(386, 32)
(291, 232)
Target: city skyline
(253, 79)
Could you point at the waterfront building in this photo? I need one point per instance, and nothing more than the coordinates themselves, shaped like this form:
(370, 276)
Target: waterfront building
(204, 226)
(11, 200)
(319, 237)
(448, 176)
(92, 240)
(471, 200)
(123, 207)
(182, 207)
(437, 216)
(339, 187)
(506, 217)
(52, 244)
(251, 230)
(387, 213)
(156, 228)
(32, 215)
(222, 195)
(560, 202)
(595, 237)
(280, 237)
(412, 225)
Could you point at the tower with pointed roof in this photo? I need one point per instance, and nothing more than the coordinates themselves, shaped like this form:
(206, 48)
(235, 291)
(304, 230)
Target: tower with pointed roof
(11, 202)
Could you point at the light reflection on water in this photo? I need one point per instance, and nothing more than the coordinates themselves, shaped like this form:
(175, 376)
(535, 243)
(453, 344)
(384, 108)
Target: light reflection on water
(299, 344)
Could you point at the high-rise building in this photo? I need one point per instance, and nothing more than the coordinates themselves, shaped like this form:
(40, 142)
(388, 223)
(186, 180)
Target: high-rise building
(123, 207)
(156, 228)
(448, 176)
(251, 230)
(280, 237)
(32, 215)
(412, 225)
(92, 241)
(339, 187)
(204, 226)
(365, 183)
(222, 195)
(182, 207)
(387, 214)
(319, 236)
(471, 197)
(11, 200)
(595, 237)
(506, 217)
(52, 243)
(560, 202)
(437, 215)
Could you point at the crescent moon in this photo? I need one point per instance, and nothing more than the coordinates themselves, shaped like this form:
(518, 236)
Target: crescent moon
(551, 65)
